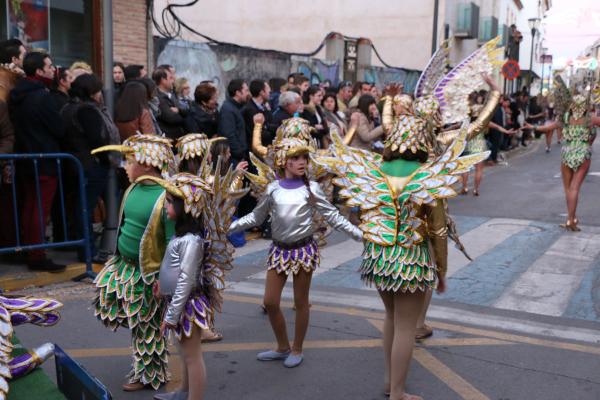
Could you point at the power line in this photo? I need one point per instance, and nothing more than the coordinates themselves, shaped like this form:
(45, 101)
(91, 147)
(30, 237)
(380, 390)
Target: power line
(172, 24)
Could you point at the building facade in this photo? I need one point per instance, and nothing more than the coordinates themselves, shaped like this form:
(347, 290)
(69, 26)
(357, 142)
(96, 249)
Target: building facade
(469, 24)
(401, 31)
(71, 30)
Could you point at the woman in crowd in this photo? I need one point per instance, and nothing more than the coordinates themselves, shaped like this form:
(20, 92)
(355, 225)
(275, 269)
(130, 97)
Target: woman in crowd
(132, 112)
(204, 113)
(476, 145)
(313, 113)
(366, 132)
(579, 132)
(330, 111)
(183, 91)
(88, 126)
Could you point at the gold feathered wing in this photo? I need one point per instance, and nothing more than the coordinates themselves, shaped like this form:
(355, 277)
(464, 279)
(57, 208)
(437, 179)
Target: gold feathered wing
(452, 91)
(386, 219)
(434, 180)
(260, 180)
(217, 217)
(363, 185)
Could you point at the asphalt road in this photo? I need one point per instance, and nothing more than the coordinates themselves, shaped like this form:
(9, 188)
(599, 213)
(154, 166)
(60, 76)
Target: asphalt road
(530, 187)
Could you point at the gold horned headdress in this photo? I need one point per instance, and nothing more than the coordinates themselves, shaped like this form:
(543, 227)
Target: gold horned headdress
(195, 145)
(151, 150)
(192, 189)
(408, 132)
(295, 128)
(290, 147)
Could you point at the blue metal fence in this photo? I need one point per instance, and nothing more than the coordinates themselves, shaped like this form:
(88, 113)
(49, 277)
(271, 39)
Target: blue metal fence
(67, 242)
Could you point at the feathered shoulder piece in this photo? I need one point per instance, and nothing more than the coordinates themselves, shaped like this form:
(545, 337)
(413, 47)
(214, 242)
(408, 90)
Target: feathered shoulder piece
(387, 215)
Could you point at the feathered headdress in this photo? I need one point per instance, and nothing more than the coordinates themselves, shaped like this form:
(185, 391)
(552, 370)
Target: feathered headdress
(151, 150)
(193, 190)
(194, 145)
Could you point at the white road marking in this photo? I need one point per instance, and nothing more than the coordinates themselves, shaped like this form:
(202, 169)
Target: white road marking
(480, 240)
(368, 300)
(548, 284)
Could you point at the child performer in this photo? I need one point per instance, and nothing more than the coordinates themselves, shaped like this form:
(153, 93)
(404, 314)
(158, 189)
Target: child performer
(291, 202)
(191, 150)
(191, 273)
(124, 286)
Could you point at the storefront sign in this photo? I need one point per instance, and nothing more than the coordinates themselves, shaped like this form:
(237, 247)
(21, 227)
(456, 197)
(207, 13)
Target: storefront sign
(29, 22)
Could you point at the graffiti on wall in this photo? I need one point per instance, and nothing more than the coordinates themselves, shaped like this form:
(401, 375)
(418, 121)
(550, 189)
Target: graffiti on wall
(200, 62)
(382, 76)
(317, 70)
(221, 63)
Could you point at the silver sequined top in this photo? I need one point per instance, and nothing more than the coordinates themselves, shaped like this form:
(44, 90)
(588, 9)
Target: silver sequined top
(180, 272)
(292, 215)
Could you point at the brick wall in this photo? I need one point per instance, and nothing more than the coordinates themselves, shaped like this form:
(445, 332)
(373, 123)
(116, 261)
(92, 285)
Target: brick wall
(130, 35)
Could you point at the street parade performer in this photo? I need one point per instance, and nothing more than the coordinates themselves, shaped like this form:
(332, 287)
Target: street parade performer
(401, 198)
(579, 131)
(291, 199)
(451, 108)
(192, 149)
(191, 275)
(124, 286)
(17, 311)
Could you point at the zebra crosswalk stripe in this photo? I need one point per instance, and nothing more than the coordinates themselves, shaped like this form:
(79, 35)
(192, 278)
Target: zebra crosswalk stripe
(548, 284)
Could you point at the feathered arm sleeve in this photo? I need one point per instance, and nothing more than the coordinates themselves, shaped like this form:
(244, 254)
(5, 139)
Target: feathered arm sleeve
(438, 235)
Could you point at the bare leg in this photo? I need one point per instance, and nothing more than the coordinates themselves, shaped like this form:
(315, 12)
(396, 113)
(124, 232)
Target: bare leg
(301, 288)
(191, 352)
(388, 336)
(465, 182)
(272, 301)
(407, 307)
(559, 135)
(567, 177)
(573, 192)
(549, 140)
(185, 382)
(478, 176)
(423, 314)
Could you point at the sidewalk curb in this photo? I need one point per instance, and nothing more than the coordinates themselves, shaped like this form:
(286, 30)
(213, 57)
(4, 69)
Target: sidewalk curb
(22, 280)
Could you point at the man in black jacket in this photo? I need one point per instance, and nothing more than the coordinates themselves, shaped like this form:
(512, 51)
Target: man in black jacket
(259, 103)
(231, 121)
(171, 117)
(38, 129)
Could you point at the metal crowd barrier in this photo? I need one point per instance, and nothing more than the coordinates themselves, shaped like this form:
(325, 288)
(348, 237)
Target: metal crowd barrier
(67, 242)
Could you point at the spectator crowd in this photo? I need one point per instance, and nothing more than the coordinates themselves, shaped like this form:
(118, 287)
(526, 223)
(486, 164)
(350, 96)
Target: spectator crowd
(53, 109)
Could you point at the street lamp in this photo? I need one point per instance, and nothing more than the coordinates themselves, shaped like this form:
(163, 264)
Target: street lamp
(543, 56)
(534, 25)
